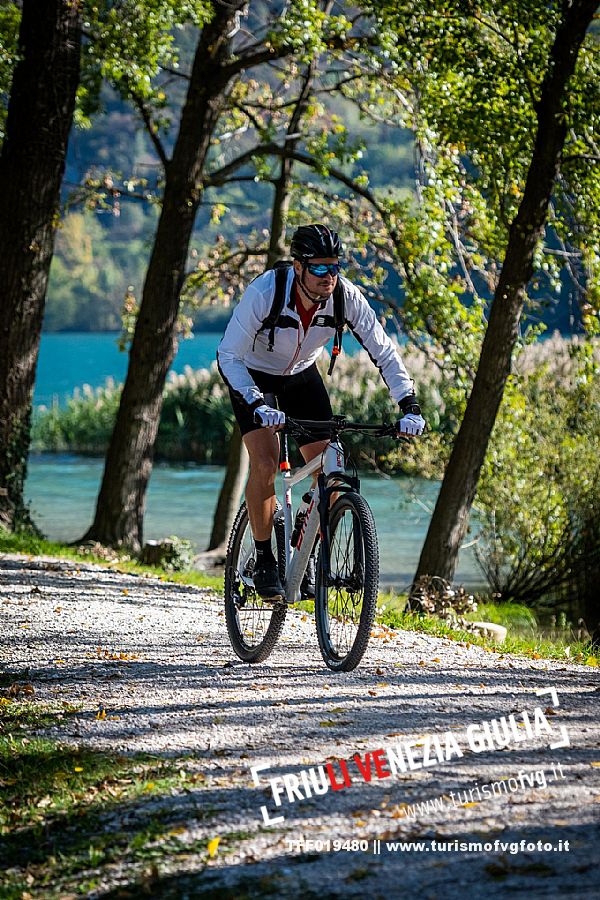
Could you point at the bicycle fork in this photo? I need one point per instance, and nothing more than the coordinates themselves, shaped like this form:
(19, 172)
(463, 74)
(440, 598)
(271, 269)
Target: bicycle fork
(332, 480)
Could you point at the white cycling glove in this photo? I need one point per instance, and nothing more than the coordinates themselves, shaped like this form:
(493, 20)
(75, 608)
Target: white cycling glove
(411, 424)
(267, 416)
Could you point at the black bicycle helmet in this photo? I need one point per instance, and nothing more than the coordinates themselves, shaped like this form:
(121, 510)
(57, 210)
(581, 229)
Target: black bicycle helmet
(315, 242)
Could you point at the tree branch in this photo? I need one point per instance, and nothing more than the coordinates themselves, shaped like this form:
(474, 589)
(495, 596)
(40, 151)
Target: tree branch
(248, 60)
(245, 253)
(176, 72)
(576, 157)
(147, 119)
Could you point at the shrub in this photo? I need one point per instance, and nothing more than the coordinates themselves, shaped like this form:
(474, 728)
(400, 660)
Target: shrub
(173, 554)
(538, 500)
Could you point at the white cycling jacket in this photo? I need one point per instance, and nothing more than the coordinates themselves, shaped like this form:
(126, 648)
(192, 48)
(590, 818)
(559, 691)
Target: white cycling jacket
(244, 346)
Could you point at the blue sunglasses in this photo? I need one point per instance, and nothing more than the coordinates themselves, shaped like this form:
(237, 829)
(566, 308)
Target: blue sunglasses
(321, 269)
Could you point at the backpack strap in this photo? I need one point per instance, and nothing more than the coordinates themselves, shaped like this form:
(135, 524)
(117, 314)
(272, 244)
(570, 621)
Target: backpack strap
(281, 270)
(339, 318)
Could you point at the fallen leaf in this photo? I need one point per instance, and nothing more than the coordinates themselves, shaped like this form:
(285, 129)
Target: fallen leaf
(591, 661)
(549, 711)
(16, 689)
(213, 846)
(125, 591)
(101, 714)
(467, 805)
(332, 723)
(397, 812)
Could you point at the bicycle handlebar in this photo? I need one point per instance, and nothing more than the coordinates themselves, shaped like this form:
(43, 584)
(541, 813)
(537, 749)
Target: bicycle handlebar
(337, 425)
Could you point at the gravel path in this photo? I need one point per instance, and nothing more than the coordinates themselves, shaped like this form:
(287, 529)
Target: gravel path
(178, 689)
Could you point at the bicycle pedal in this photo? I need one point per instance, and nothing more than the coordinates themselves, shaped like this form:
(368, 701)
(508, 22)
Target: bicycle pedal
(277, 599)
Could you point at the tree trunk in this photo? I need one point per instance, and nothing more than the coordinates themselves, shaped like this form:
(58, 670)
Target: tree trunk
(450, 518)
(32, 165)
(121, 501)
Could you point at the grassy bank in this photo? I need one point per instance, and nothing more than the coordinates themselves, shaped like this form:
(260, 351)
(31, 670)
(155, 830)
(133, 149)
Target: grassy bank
(524, 638)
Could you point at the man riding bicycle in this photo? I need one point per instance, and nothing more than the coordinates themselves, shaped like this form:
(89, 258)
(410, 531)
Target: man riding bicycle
(269, 366)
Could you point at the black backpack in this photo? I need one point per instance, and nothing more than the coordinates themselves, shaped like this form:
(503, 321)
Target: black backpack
(269, 323)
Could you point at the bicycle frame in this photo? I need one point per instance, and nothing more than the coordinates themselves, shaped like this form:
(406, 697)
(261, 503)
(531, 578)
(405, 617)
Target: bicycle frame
(333, 476)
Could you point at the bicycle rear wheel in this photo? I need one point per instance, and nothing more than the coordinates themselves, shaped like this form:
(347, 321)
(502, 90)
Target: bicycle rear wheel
(253, 624)
(346, 595)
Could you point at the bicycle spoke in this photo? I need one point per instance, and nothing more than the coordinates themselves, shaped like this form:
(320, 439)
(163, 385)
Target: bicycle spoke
(253, 625)
(253, 614)
(347, 584)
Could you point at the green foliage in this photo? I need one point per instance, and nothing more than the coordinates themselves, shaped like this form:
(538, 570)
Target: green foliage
(132, 41)
(173, 554)
(85, 423)
(539, 494)
(514, 616)
(479, 78)
(197, 419)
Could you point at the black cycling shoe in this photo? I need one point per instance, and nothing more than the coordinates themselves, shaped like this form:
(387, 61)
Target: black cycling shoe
(267, 583)
(308, 585)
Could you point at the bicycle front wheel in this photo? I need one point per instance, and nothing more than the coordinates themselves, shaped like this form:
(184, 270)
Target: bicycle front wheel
(253, 624)
(346, 595)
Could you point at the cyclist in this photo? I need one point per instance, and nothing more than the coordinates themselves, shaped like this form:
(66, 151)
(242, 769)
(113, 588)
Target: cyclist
(271, 375)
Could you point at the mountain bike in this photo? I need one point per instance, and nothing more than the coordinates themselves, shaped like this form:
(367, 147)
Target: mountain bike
(336, 527)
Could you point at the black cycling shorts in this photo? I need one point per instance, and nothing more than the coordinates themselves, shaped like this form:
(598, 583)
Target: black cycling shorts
(301, 396)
